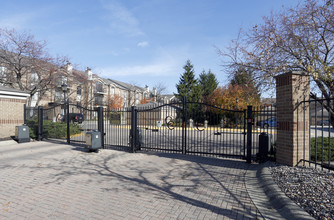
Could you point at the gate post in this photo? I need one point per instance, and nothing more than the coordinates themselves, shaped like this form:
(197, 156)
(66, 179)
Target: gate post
(184, 125)
(133, 131)
(100, 124)
(249, 133)
(67, 116)
(40, 123)
(293, 122)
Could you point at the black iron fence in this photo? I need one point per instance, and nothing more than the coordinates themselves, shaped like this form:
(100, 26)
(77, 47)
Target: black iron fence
(316, 133)
(179, 127)
(117, 127)
(264, 125)
(192, 128)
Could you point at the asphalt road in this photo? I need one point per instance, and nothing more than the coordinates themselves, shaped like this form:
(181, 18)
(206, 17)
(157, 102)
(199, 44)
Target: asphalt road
(200, 141)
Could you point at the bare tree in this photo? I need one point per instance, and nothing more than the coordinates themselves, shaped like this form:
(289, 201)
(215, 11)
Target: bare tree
(160, 88)
(299, 38)
(28, 65)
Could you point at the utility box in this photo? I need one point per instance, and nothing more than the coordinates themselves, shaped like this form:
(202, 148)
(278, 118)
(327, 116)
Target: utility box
(264, 146)
(93, 140)
(22, 134)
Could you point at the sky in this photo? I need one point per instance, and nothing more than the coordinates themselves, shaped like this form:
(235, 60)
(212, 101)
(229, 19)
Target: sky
(142, 42)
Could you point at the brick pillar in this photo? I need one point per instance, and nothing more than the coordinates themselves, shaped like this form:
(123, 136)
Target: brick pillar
(292, 119)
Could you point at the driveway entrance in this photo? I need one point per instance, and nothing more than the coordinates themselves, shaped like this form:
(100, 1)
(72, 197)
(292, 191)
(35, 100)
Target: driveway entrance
(43, 180)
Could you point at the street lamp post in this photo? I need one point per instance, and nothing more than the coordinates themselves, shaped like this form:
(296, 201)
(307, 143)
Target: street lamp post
(64, 88)
(66, 118)
(237, 119)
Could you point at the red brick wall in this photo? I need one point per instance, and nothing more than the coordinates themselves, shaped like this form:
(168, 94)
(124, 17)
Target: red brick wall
(292, 131)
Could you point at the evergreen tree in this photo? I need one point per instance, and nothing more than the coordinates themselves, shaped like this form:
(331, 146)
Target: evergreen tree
(188, 85)
(208, 83)
(244, 78)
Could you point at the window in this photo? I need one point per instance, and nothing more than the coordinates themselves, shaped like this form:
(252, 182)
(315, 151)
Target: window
(98, 100)
(98, 87)
(3, 71)
(59, 96)
(33, 78)
(34, 97)
(112, 91)
(79, 90)
(62, 80)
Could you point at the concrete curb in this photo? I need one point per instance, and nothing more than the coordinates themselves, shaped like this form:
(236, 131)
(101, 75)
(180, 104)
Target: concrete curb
(271, 202)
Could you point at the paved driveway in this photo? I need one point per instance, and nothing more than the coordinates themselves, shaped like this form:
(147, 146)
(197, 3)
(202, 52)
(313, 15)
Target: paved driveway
(41, 180)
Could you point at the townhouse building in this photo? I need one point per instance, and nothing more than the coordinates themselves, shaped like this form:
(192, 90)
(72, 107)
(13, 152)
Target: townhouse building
(43, 81)
(83, 88)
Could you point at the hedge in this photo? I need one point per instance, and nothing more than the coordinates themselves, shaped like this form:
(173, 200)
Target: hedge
(322, 148)
(52, 129)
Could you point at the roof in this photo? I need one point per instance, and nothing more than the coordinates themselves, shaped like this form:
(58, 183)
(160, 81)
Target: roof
(8, 89)
(12, 93)
(127, 85)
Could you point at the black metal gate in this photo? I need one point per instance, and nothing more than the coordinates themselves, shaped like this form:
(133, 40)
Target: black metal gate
(180, 127)
(117, 126)
(64, 122)
(191, 128)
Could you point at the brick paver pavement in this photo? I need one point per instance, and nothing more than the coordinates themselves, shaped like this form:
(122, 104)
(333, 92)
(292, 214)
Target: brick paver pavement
(42, 180)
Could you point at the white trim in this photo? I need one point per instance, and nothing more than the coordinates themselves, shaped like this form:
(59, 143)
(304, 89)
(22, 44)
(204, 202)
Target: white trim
(13, 97)
(14, 93)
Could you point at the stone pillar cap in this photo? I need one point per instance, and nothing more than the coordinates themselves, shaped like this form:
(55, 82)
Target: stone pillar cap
(293, 72)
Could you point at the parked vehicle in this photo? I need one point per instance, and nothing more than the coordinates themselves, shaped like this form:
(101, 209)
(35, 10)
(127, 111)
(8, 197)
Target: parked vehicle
(76, 117)
(323, 123)
(271, 122)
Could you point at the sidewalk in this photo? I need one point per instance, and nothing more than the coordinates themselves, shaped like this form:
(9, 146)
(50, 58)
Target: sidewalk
(41, 180)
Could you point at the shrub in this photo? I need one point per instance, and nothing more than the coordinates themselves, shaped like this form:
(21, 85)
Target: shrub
(33, 128)
(52, 129)
(322, 148)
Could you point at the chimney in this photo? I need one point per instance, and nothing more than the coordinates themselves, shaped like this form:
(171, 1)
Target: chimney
(89, 73)
(69, 67)
(147, 88)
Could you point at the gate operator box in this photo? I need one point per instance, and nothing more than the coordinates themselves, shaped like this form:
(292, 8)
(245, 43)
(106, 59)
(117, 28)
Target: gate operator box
(22, 134)
(93, 140)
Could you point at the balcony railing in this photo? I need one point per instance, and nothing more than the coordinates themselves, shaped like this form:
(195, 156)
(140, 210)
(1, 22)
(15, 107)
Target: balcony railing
(100, 91)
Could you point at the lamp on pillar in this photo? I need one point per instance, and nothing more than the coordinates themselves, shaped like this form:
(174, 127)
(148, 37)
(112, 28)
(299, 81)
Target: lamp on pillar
(237, 101)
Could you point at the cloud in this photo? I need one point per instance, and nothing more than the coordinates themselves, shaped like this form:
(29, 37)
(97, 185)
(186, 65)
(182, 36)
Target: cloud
(143, 44)
(121, 19)
(155, 69)
(166, 62)
(17, 21)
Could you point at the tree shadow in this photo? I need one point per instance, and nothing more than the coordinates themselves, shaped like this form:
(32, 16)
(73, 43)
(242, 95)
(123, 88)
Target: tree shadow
(167, 183)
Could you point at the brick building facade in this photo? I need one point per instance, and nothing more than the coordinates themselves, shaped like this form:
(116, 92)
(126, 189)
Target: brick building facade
(11, 110)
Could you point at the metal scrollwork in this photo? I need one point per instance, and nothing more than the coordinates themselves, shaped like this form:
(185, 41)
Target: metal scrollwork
(205, 126)
(170, 122)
